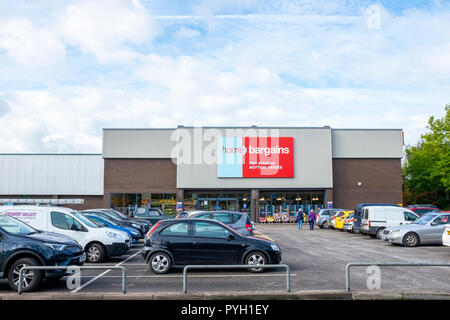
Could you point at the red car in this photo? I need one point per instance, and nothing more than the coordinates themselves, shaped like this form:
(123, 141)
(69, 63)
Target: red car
(420, 211)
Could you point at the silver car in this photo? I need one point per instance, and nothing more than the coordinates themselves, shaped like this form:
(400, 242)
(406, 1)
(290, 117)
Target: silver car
(348, 223)
(239, 221)
(426, 230)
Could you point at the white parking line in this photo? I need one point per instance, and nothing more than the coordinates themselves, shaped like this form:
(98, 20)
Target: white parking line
(102, 274)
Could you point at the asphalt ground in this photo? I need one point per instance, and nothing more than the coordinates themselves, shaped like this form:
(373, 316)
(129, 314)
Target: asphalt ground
(317, 260)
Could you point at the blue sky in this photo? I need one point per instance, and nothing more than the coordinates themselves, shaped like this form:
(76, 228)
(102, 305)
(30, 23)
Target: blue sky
(70, 68)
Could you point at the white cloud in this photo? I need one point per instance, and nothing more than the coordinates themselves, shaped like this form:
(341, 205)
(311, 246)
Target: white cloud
(104, 27)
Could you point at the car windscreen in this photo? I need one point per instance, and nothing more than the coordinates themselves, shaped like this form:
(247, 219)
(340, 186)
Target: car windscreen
(15, 226)
(110, 221)
(117, 213)
(425, 219)
(85, 220)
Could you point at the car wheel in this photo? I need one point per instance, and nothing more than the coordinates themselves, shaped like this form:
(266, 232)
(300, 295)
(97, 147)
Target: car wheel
(160, 263)
(256, 258)
(95, 253)
(380, 233)
(325, 225)
(32, 279)
(411, 239)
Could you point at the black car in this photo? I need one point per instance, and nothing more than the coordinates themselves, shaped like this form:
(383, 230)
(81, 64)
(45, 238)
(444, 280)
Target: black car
(121, 222)
(22, 245)
(142, 222)
(179, 242)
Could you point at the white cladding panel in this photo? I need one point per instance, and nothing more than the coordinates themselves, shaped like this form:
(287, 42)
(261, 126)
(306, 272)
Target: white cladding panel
(137, 143)
(353, 143)
(28, 174)
(312, 161)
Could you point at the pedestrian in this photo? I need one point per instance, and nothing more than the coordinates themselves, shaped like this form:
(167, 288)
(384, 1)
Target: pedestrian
(311, 219)
(300, 219)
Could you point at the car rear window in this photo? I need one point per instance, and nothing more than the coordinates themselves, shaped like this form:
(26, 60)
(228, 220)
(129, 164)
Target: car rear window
(235, 217)
(222, 217)
(176, 229)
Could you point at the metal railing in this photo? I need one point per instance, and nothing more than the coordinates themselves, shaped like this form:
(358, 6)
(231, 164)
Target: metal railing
(227, 266)
(387, 264)
(124, 273)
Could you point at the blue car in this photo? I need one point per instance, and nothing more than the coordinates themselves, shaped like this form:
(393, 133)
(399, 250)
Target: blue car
(103, 222)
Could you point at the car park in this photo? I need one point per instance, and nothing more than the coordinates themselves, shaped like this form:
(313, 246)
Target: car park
(99, 243)
(420, 211)
(377, 218)
(179, 242)
(324, 215)
(239, 221)
(348, 223)
(107, 223)
(358, 213)
(152, 215)
(108, 214)
(428, 229)
(22, 245)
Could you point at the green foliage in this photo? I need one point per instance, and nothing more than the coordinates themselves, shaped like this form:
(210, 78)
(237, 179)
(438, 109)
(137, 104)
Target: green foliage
(426, 173)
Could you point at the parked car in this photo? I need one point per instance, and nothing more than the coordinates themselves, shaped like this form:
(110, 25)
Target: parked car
(99, 243)
(324, 215)
(446, 234)
(426, 205)
(333, 219)
(22, 245)
(358, 213)
(179, 242)
(183, 214)
(377, 218)
(107, 223)
(348, 223)
(420, 211)
(239, 221)
(339, 222)
(142, 225)
(152, 215)
(428, 229)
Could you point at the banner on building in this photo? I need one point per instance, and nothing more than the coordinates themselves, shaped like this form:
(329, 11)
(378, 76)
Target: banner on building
(255, 157)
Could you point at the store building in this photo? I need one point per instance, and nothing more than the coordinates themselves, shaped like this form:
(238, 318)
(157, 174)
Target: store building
(75, 180)
(264, 171)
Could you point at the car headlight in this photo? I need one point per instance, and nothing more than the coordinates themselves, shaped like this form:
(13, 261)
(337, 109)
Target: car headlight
(55, 246)
(112, 235)
(274, 247)
(134, 225)
(394, 233)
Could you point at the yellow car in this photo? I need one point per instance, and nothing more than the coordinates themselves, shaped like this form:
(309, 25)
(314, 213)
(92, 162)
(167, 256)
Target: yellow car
(339, 222)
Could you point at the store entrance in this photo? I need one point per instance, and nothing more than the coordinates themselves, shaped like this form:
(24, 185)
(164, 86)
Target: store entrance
(217, 200)
(217, 204)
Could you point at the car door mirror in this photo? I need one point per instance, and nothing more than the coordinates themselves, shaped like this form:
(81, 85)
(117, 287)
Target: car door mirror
(230, 237)
(433, 224)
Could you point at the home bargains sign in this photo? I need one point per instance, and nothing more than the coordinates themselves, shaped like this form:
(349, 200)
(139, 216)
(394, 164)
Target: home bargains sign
(255, 157)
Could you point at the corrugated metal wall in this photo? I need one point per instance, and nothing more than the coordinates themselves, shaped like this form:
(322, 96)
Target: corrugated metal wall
(51, 174)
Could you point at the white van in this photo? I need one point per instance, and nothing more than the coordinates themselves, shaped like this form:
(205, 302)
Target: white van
(377, 218)
(98, 242)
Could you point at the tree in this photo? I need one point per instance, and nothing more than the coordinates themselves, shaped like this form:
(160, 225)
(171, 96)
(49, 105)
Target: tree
(426, 172)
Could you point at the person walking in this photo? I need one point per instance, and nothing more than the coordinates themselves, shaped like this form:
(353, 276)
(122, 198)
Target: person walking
(300, 219)
(311, 219)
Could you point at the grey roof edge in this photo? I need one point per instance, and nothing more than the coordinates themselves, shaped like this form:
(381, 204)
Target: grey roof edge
(258, 127)
(367, 129)
(50, 154)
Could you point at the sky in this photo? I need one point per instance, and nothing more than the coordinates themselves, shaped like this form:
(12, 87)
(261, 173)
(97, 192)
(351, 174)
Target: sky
(68, 69)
